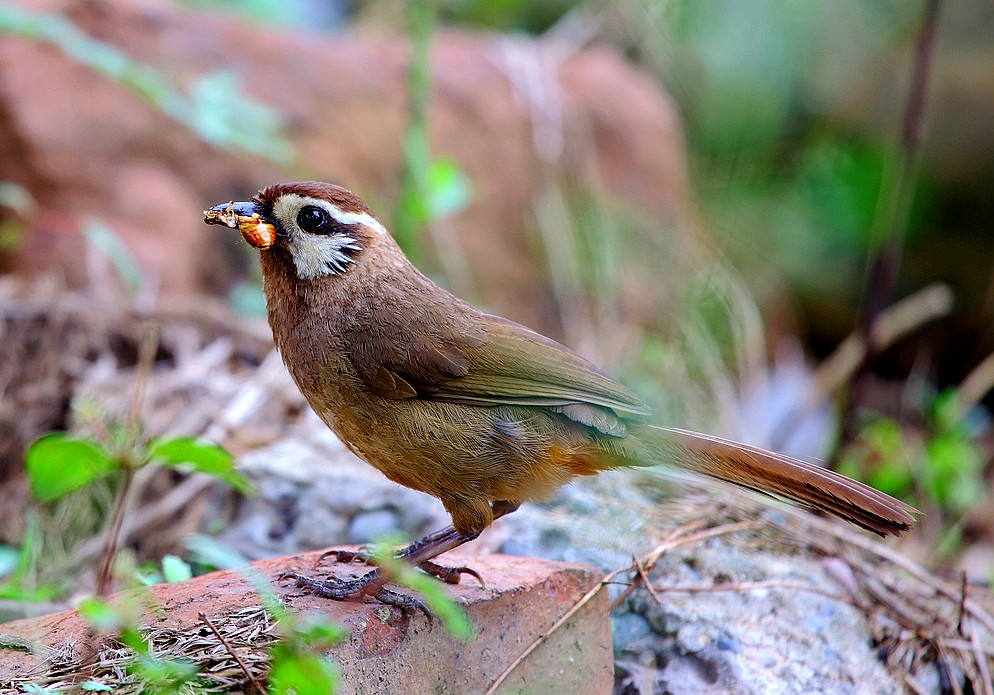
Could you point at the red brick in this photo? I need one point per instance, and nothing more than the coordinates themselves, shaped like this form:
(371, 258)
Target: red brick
(389, 651)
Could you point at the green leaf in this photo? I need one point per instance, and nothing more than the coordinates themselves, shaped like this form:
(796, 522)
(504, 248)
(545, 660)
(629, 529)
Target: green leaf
(37, 689)
(93, 686)
(163, 675)
(109, 244)
(448, 189)
(131, 637)
(58, 463)
(199, 455)
(953, 472)
(319, 632)
(947, 411)
(100, 615)
(148, 574)
(237, 124)
(208, 551)
(300, 673)
(175, 569)
(26, 560)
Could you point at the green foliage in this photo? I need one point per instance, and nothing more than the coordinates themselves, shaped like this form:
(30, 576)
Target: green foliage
(18, 566)
(192, 453)
(953, 462)
(207, 554)
(506, 15)
(430, 189)
(216, 109)
(447, 190)
(223, 115)
(173, 569)
(946, 464)
(60, 463)
(268, 12)
(297, 663)
(10, 558)
(882, 452)
(103, 239)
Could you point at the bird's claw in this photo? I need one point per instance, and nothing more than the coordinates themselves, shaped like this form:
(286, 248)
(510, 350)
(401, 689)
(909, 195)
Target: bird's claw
(405, 602)
(366, 585)
(451, 575)
(357, 556)
(333, 588)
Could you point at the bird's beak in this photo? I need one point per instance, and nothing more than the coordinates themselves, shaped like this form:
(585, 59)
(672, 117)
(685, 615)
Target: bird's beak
(246, 219)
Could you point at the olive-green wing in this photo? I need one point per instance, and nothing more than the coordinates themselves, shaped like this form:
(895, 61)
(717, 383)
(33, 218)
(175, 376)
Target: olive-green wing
(517, 366)
(496, 362)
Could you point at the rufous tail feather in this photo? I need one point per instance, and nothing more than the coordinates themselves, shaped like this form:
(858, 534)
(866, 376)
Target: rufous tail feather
(770, 473)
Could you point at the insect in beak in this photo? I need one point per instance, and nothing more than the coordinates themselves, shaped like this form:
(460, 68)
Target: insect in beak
(246, 219)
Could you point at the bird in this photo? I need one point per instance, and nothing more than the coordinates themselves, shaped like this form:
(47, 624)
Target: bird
(477, 410)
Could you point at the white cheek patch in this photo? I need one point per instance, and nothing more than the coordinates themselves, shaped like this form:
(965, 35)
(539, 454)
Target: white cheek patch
(315, 255)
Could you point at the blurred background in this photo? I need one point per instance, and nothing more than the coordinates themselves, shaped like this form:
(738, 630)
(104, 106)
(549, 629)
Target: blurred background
(721, 202)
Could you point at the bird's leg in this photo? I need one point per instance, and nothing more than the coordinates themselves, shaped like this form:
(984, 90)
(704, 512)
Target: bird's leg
(448, 574)
(419, 553)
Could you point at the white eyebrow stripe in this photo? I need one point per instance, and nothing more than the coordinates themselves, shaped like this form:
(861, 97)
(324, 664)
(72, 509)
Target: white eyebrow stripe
(343, 217)
(289, 203)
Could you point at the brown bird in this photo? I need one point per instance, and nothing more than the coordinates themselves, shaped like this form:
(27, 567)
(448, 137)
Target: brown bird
(474, 409)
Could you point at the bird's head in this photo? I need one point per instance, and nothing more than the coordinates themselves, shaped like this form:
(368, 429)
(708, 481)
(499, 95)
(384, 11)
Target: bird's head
(324, 229)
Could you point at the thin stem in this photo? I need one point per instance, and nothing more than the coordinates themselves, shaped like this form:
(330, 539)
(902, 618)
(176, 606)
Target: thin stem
(891, 221)
(104, 575)
(128, 458)
(412, 211)
(146, 359)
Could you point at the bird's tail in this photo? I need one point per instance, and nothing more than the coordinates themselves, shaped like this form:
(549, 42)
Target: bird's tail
(770, 473)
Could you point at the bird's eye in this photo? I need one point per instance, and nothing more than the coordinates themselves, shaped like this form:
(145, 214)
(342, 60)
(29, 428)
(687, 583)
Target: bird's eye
(314, 220)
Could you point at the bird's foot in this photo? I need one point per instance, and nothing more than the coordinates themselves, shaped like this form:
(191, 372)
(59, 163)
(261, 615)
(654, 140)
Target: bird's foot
(448, 574)
(369, 584)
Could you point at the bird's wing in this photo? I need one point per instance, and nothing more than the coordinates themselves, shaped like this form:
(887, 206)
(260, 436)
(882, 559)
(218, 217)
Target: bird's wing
(501, 363)
(519, 366)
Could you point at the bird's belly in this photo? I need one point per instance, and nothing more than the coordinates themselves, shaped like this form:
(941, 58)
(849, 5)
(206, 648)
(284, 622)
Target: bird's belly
(454, 450)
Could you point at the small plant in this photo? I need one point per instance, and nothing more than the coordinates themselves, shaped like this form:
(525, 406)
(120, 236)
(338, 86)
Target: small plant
(61, 463)
(172, 569)
(940, 466)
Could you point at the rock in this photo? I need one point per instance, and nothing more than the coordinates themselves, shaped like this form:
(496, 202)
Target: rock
(759, 641)
(741, 642)
(370, 525)
(313, 493)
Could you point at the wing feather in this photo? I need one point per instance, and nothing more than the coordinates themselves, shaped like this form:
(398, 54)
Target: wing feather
(498, 362)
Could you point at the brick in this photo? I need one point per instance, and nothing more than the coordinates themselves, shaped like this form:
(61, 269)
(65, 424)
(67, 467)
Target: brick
(388, 651)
